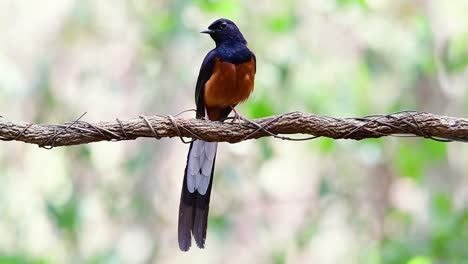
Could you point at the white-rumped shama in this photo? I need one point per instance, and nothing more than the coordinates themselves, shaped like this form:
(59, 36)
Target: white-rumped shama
(226, 78)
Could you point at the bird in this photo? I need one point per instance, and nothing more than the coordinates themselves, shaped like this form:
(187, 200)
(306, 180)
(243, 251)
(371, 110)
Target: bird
(226, 78)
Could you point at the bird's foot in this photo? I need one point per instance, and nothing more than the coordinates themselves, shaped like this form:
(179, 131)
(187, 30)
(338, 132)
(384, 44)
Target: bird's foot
(237, 117)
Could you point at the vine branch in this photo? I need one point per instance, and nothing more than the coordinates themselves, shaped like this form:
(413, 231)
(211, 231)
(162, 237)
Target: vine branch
(405, 123)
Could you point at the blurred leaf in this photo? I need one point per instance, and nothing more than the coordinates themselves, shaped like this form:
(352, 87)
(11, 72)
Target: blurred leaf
(420, 260)
(400, 218)
(455, 55)
(353, 91)
(138, 161)
(158, 27)
(324, 187)
(221, 225)
(372, 255)
(326, 145)
(66, 215)
(441, 205)
(317, 101)
(282, 22)
(260, 106)
(227, 8)
(306, 234)
(376, 62)
(426, 63)
(284, 71)
(433, 150)
(106, 257)
(443, 224)
(84, 152)
(414, 158)
(397, 251)
(360, 86)
(140, 205)
(360, 3)
(267, 149)
(409, 162)
(43, 90)
(445, 242)
(279, 256)
(20, 259)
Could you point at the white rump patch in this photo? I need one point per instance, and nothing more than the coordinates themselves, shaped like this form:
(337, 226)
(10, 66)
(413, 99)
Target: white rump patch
(200, 164)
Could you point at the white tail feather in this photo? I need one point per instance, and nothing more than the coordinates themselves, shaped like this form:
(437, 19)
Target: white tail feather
(200, 164)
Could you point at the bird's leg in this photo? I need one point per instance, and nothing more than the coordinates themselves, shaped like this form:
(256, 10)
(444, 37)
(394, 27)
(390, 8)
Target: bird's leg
(206, 115)
(237, 116)
(259, 127)
(240, 118)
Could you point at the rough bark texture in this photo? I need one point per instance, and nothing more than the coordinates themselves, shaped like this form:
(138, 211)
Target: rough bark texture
(78, 132)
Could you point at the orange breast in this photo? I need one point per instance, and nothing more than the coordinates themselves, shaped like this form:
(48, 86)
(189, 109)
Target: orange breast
(228, 85)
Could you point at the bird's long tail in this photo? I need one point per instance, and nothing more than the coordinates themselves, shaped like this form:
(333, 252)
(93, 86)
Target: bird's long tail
(195, 196)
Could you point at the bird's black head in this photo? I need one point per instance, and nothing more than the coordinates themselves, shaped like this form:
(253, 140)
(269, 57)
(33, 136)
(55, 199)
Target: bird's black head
(224, 31)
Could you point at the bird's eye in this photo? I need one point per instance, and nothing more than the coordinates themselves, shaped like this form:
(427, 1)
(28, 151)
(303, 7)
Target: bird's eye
(223, 25)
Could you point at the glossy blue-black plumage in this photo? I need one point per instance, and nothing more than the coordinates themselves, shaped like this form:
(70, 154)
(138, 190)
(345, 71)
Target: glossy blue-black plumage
(230, 47)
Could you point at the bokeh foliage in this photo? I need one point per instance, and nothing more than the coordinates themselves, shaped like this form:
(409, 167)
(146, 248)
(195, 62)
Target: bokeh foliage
(393, 200)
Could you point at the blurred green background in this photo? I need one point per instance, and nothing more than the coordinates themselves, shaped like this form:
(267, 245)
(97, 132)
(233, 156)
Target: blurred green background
(391, 200)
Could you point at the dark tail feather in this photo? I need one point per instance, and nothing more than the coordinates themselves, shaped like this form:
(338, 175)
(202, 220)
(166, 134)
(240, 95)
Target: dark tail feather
(193, 214)
(200, 221)
(185, 226)
(200, 225)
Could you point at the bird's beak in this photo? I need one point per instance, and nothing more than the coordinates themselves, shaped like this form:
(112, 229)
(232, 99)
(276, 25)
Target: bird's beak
(206, 31)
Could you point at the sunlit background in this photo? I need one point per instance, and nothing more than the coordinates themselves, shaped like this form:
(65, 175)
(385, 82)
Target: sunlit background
(390, 200)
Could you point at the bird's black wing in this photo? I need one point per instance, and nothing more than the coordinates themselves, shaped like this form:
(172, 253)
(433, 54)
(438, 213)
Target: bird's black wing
(206, 70)
(193, 208)
(255, 60)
